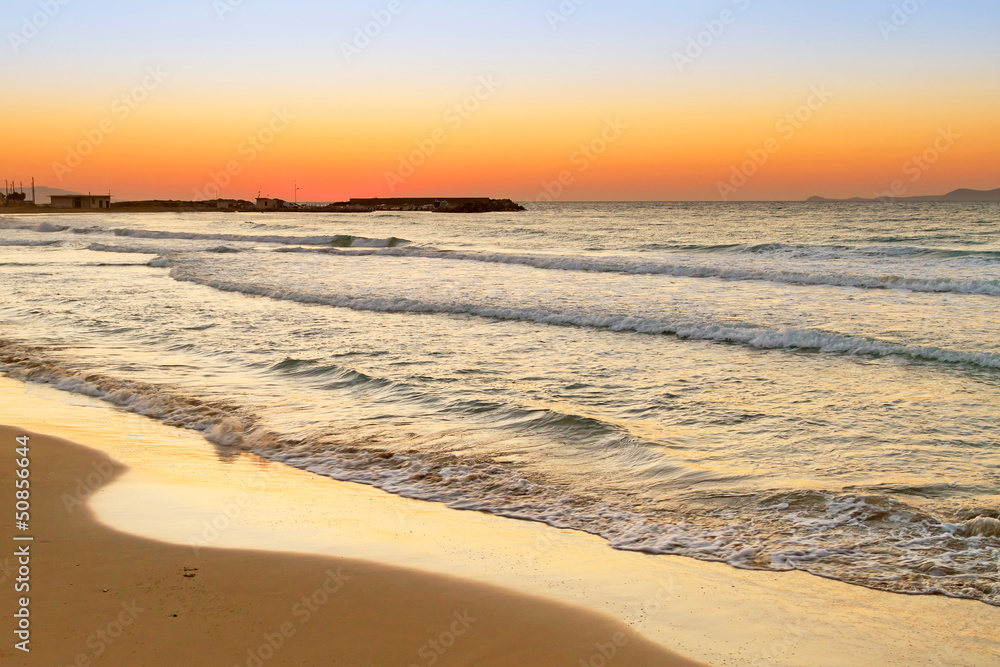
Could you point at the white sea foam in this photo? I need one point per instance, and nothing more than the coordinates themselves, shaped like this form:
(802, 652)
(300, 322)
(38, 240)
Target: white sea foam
(636, 266)
(339, 240)
(757, 337)
(161, 262)
(43, 227)
(981, 526)
(811, 531)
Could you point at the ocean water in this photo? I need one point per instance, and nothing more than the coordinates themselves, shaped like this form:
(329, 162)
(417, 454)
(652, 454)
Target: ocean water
(774, 386)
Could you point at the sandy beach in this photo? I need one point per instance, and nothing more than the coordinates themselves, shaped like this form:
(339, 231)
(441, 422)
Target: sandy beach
(102, 597)
(239, 548)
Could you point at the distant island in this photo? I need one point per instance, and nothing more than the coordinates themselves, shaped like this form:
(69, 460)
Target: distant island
(963, 195)
(64, 201)
(267, 204)
(440, 205)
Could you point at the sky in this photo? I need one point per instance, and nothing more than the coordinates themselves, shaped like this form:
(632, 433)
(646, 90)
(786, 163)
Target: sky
(569, 100)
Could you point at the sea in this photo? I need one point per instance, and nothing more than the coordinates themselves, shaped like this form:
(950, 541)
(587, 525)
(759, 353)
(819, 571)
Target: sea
(775, 386)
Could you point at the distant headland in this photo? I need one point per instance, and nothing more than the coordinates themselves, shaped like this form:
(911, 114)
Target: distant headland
(963, 195)
(63, 201)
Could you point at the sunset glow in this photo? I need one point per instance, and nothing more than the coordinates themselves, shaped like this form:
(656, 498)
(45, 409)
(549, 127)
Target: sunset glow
(184, 89)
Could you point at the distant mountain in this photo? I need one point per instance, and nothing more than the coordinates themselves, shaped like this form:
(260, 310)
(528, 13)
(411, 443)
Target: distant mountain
(961, 195)
(43, 193)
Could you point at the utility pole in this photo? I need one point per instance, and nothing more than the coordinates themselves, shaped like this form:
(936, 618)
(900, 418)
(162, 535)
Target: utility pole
(296, 194)
(34, 202)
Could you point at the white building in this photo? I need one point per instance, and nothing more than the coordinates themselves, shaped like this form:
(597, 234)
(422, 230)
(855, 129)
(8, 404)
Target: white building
(268, 204)
(84, 202)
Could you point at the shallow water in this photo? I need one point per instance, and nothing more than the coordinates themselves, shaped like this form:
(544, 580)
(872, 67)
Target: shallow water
(776, 386)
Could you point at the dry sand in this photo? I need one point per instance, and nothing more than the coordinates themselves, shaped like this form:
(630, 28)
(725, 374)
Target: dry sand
(100, 597)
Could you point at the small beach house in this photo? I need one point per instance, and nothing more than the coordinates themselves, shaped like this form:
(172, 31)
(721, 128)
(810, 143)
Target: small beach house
(81, 201)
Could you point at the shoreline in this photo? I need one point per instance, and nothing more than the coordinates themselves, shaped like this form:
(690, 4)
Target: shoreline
(177, 484)
(98, 593)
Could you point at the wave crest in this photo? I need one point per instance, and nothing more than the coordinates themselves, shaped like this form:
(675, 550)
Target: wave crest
(757, 337)
(636, 266)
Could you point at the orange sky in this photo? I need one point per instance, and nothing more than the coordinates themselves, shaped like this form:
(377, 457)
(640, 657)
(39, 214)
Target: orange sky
(371, 130)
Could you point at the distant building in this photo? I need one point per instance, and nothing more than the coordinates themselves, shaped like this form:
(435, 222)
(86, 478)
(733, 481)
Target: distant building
(14, 199)
(268, 204)
(85, 202)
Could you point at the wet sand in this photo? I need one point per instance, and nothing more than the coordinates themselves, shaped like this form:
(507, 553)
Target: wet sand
(99, 596)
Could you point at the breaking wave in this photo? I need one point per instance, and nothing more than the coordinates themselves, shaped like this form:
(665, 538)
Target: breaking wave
(634, 266)
(759, 337)
(865, 539)
(41, 227)
(338, 241)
